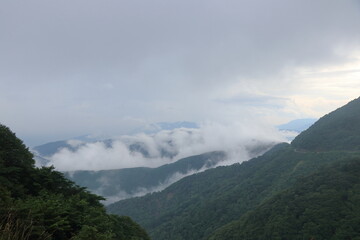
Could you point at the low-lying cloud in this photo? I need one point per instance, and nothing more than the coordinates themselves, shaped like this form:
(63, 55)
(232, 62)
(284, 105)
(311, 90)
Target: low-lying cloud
(141, 191)
(166, 147)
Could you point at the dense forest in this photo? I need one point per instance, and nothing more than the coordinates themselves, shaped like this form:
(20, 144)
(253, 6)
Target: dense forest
(40, 203)
(198, 205)
(294, 191)
(322, 206)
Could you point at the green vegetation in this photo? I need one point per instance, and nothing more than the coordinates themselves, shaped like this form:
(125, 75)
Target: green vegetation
(40, 203)
(323, 206)
(338, 130)
(198, 205)
(306, 190)
(130, 180)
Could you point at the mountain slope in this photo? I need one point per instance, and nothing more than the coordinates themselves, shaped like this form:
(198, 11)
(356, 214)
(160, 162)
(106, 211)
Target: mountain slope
(325, 205)
(40, 203)
(124, 183)
(196, 206)
(338, 130)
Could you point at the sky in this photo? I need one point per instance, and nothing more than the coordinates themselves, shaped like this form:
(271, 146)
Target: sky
(75, 67)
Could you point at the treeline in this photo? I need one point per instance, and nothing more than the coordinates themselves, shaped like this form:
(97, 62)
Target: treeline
(40, 203)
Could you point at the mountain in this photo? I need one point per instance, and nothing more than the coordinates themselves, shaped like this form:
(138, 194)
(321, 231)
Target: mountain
(43, 153)
(338, 130)
(220, 202)
(156, 127)
(297, 125)
(117, 184)
(48, 149)
(324, 205)
(128, 182)
(160, 148)
(195, 206)
(40, 203)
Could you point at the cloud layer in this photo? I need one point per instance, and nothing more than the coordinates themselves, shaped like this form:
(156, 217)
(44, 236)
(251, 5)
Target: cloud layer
(167, 146)
(87, 66)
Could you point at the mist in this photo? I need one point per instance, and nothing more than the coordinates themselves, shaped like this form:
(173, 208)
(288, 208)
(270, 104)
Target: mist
(142, 191)
(167, 146)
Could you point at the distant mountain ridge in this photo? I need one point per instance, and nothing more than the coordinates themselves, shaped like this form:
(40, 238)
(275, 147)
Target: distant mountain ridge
(156, 127)
(214, 204)
(48, 149)
(298, 125)
(124, 183)
(44, 152)
(163, 147)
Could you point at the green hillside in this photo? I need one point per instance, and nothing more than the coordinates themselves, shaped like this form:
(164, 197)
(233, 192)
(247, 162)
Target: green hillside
(131, 180)
(203, 205)
(338, 130)
(323, 206)
(196, 206)
(40, 203)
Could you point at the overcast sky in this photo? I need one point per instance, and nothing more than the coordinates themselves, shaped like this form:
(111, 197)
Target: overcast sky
(75, 67)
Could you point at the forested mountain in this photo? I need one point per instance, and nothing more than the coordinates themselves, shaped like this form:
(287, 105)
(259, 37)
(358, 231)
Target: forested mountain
(338, 130)
(219, 203)
(324, 205)
(40, 203)
(124, 183)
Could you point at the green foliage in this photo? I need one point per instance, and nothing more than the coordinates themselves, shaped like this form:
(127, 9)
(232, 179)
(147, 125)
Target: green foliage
(338, 130)
(196, 206)
(43, 204)
(16, 163)
(322, 206)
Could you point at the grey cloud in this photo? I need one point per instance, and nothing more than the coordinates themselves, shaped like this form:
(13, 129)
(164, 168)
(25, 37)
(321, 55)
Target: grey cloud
(261, 101)
(199, 40)
(87, 64)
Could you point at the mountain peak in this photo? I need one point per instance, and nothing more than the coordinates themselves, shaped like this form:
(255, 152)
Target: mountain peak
(338, 130)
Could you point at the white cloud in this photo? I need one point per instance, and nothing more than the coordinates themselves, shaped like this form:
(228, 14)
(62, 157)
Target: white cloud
(236, 139)
(143, 191)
